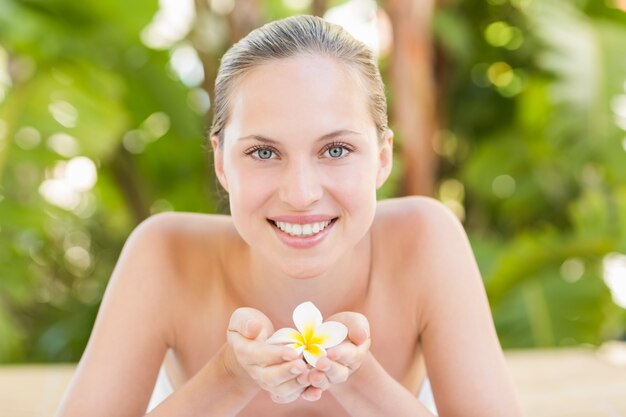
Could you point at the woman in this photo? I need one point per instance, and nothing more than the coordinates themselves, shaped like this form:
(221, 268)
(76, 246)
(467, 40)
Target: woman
(300, 144)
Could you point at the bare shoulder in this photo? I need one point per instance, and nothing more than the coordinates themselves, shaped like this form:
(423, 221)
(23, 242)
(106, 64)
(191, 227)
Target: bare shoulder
(183, 233)
(426, 231)
(165, 247)
(140, 313)
(412, 220)
(176, 255)
(184, 247)
(173, 225)
(426, 247)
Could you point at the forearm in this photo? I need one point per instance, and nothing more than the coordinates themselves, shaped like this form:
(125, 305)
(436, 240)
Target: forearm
(215, 391)
(371, 391)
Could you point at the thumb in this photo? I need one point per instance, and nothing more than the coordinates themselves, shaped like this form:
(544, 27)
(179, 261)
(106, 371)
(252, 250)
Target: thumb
(357, 334)
(252, 329)
(357, 324)
(250, 323)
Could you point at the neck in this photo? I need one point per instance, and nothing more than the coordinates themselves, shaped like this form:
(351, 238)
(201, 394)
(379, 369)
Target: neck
(262, 285)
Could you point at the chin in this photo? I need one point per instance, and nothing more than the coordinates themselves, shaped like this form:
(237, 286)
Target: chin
(299, 269)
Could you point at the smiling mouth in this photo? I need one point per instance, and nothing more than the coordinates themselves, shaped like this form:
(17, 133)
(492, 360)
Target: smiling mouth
(302, 230)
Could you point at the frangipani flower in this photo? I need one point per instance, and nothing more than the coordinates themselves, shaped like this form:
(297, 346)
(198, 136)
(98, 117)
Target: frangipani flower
(313, 336)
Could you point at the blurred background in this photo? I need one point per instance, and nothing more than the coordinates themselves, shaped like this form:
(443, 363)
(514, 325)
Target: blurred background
(511, 112)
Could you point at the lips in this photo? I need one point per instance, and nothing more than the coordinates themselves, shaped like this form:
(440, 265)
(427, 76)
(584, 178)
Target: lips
(307, 219)
(303, 241)
(302, 230)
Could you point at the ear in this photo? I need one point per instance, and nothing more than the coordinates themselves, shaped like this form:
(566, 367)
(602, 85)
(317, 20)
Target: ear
(218, 161)
(385, 159)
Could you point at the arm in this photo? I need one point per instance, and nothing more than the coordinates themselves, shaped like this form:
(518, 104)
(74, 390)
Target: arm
(465, 363)
(461, 349)
(356, 379)
(214, 391)
(117, 372)
(372, 392)
(241, 369)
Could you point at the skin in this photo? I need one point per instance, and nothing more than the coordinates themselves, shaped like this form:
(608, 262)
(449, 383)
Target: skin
(206, 291)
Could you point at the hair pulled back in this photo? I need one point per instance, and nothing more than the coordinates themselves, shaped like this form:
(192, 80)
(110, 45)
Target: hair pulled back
(290, 37)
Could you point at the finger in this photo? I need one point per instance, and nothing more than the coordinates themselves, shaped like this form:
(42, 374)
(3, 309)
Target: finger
(287, 397)
(250, 323)
(357, 324)
(267, 355)
(287, 390)
(276, 375)
(342, 353)
(261, 354)
(358, 334)
(311, 394)
(284, 400)
(349, 354)
(252, 328)
(334, 371)
(303, 379)
(319, 380)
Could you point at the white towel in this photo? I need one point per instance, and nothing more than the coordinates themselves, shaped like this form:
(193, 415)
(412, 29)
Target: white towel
(426, 397)
(163, 388)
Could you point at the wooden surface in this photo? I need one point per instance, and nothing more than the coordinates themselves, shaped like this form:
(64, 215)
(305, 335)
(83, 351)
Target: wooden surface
(32, 391)
(551, 383)
(571, 383)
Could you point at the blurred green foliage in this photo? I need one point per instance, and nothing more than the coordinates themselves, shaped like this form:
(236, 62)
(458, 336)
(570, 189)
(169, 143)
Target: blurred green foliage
(534, 111)
(532, 156)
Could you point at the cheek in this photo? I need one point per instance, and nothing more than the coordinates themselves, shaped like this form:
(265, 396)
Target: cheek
(357, 177)
(248, 189)
(354, 186)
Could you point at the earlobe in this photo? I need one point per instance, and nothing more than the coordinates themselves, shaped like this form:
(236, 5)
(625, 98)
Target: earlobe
(218, 161)
(385, 159)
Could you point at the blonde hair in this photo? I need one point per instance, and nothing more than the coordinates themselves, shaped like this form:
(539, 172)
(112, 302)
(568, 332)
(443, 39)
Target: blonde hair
(290, 37)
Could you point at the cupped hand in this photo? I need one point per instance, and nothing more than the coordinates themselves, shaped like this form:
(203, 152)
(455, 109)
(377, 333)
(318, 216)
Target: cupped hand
(342, 360)
(273, 368)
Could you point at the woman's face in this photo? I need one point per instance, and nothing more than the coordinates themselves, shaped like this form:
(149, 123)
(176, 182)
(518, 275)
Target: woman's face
(300, 150)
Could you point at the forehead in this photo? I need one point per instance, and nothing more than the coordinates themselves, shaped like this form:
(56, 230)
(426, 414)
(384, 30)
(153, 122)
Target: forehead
(306, 93)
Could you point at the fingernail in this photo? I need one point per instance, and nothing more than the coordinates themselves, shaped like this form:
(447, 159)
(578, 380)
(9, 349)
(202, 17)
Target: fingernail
(290, 356)
(246, 327)
(295, 371)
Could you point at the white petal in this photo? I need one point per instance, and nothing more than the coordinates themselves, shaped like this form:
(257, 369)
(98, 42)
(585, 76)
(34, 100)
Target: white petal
(306, 314)
(312, 358)
(299, 349)
(332, 333)
(284, 336)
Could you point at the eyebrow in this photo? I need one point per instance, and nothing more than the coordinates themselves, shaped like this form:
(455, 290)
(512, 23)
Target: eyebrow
(327, 136)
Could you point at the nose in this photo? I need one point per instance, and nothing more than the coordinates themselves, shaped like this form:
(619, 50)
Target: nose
(301, 185)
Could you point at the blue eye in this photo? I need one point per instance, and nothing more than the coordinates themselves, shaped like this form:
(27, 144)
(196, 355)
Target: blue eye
(261, 152)
(337, 150)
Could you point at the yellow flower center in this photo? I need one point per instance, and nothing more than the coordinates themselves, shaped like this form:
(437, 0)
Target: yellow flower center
(309, 340)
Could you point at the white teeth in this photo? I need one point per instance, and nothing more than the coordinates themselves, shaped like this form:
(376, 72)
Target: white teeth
(302, 229)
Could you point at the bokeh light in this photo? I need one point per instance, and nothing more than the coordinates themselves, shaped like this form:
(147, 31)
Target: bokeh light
(572, 269)
(64, 144)
(27, 138)
(64, 113)
(67, 181)
(615, 277)
(170, 24)
(503, 186)
(360, 19)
